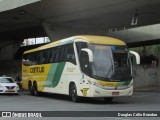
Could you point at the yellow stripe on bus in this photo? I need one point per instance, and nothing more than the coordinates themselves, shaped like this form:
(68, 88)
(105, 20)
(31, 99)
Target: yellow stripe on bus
(111, 84)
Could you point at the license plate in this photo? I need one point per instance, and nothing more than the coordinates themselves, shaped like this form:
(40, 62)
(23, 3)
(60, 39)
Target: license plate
(10, 90)
(115, 93)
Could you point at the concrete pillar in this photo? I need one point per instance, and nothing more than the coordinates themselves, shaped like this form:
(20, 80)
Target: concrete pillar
(8, 48)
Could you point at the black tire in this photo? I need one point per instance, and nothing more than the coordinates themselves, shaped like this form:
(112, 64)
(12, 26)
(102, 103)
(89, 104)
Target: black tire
(16, 94)
(73, 93)
(30, 89)
(108, 99)
(35, 91)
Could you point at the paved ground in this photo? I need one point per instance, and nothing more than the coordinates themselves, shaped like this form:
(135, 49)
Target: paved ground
(141, 101)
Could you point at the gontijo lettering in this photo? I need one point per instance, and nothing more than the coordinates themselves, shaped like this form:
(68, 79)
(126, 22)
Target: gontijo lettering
(37, 70)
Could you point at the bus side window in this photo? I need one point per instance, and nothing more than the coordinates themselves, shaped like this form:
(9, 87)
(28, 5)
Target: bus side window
(45, 56)
(30, 59)
(63, 53)
(70, 56)
(54, 55)
(79, 46)
(25, 60)
(58, 54)
(85, 63)
(40, 58)
(50, 56)
(82, 57)
(34, 61)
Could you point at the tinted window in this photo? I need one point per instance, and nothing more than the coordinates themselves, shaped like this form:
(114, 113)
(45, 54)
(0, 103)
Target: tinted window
(81, 45)
(25, 60)
(85, 63)
(50, 55)
(30, 59)
(40, 57)
(70, 56)
(6, 80)
(45, 56)
(57, 54)
(63, 53)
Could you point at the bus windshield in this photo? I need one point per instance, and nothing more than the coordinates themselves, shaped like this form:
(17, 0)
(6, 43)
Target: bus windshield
(111, 62)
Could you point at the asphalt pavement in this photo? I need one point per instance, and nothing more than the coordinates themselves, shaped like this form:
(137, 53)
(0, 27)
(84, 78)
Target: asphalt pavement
(139, 102)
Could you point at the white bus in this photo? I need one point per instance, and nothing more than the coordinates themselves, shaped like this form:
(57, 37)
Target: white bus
(80, 66)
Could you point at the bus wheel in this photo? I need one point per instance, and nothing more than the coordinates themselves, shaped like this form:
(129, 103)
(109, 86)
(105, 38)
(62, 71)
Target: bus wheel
(16, 94)
(108, 99)
(73, 92)
(30, 89)
(35, 91)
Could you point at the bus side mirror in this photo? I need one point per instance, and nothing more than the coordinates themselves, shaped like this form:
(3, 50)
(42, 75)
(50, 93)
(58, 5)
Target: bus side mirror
(137, 56)
(90, 54)
(86, 61)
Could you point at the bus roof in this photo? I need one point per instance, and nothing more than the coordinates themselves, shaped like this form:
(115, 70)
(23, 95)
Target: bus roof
(99, 40)
(83, 38)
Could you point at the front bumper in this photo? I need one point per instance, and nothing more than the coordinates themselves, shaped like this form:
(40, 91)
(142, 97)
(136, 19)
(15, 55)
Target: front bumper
(99, 92)
(7, 91)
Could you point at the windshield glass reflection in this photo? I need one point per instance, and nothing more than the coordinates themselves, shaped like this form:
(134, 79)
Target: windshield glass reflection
(111, 62)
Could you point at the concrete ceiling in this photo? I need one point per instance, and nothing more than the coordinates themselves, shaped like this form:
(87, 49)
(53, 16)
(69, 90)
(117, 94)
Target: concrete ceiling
(92, 15)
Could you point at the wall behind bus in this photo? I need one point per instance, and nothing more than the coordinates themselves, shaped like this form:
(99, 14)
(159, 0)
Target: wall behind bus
(10, 68)
(146, 77)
